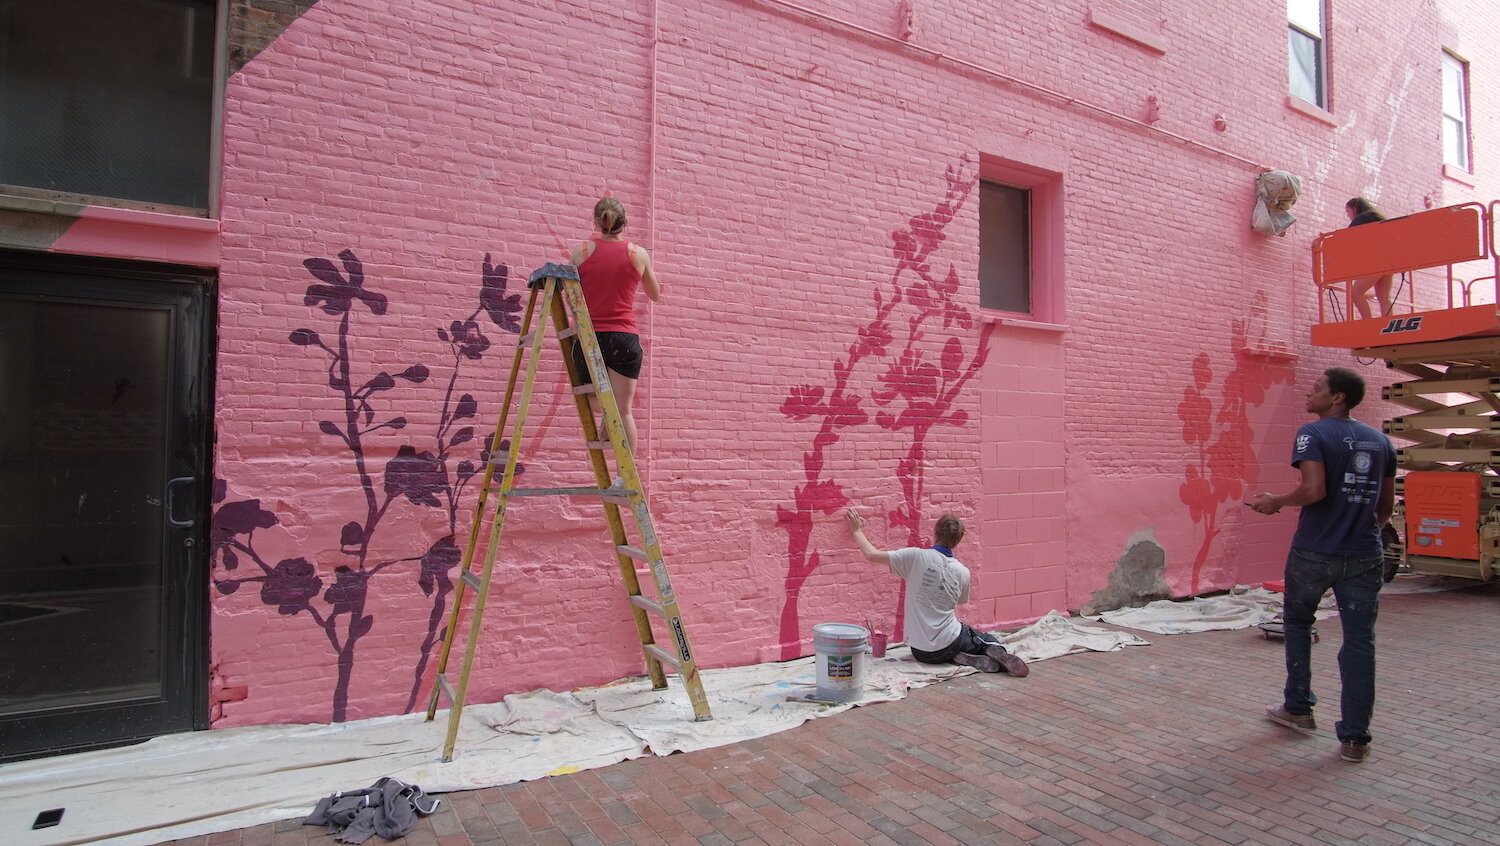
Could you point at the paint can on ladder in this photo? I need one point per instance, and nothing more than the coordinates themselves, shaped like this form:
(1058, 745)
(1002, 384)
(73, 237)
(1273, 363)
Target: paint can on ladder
(841, 649)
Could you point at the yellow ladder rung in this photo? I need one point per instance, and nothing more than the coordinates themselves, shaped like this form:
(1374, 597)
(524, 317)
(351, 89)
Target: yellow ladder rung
(578, 491)
(650, 605)
(664, 656)
(523, 340)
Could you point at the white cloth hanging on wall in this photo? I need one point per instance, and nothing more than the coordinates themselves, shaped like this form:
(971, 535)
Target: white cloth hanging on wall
(1276, 191)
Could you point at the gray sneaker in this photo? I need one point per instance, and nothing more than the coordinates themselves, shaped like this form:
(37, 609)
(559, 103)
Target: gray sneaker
(982, 663)
(1282, 717)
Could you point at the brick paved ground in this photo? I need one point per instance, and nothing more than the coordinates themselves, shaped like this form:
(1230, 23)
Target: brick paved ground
(1157, 744)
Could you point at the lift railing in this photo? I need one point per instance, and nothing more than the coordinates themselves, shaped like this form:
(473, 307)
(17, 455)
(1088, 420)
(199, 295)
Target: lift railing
(1420, 250)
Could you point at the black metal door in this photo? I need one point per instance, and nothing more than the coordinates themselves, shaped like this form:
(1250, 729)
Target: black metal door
(105, 391)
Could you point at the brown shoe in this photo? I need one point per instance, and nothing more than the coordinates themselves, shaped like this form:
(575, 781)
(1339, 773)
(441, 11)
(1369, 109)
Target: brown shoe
(1282, 717)
(982, 663)
(1354, 751)
(1008, 662)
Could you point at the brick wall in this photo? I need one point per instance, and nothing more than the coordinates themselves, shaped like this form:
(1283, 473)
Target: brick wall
(778, 163)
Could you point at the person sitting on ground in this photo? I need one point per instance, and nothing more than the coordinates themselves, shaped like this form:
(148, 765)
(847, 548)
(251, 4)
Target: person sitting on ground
(1361, 211)
(936, 584)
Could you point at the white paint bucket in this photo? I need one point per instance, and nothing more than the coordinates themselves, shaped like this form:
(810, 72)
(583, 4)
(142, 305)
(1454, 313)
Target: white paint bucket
(841, 649)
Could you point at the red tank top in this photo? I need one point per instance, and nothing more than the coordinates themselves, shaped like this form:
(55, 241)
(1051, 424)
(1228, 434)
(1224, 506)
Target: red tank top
(609, 282)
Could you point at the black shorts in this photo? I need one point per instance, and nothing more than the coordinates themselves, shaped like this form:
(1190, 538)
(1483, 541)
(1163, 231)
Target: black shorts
(622, 353)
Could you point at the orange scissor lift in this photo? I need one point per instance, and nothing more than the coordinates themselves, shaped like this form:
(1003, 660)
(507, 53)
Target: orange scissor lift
(1444, 331)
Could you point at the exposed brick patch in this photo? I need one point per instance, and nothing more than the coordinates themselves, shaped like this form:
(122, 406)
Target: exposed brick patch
(254, 24)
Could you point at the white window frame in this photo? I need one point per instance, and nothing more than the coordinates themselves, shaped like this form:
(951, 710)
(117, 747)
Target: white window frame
(1300, 25)
(1457, 151)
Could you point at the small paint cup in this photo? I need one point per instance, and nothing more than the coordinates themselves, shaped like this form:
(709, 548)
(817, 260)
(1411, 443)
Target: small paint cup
(877, 644)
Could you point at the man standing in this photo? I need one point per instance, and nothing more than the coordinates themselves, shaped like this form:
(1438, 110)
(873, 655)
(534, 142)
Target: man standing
(936, 584)
(1347, 493)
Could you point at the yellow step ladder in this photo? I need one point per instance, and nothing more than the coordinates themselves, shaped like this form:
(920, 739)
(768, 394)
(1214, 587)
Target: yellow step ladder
(555, 290)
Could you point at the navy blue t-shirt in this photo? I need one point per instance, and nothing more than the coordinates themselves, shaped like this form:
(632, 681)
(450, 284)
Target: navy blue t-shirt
(1355, 458)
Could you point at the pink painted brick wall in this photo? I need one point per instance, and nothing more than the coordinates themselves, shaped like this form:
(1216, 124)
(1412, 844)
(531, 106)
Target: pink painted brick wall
(766, 156)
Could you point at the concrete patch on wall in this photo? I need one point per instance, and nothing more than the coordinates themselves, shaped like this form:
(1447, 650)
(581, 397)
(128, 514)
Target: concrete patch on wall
(1137, 577)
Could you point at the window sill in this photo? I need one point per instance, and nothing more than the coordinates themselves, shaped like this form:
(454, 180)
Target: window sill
(1020, 322)
(1317, 113)
(111, 232)
(20, 198)
(1459, 175)
(1270, 352)
(1128, 31)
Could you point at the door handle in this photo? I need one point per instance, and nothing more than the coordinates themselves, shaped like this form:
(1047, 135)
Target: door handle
(172, 485)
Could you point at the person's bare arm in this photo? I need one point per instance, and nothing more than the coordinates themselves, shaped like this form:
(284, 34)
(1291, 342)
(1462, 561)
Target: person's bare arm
(857, 527)
(642, 261)
(1386, 504)
(1313, 488)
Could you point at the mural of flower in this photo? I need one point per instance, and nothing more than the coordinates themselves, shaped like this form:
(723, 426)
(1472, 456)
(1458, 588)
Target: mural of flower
(501, 308)
(438, 561)
(290, 585)
(470, 341)
(419, 476)
(231, 520)
(1225, 464)
(364, 422)
(337, 293)
(928, 391)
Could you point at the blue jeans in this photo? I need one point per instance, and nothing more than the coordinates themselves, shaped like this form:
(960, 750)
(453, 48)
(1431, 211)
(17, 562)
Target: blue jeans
(1356, 581)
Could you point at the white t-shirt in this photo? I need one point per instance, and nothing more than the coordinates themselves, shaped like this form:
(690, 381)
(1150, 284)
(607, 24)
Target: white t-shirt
(935, 585)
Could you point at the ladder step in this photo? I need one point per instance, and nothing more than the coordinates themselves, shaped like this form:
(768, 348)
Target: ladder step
(663, 656)
(584, 389)
(446, 687)
(631, 552)
(607, 493)
(599, 445)
(469, 578)
(527, 338)
(650, 605)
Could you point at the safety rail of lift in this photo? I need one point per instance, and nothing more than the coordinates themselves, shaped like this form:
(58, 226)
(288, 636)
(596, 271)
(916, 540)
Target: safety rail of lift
(1420, 251)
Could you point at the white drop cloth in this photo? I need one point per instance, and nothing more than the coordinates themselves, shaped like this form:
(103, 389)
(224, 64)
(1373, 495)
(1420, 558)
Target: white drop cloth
(1056, 634)
(1242, 609)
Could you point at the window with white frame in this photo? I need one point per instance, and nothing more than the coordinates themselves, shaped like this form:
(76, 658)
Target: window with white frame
(1306, 53)
(1455, 111)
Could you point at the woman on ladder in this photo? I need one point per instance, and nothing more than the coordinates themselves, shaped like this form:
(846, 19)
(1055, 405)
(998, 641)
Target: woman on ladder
(611, 269)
